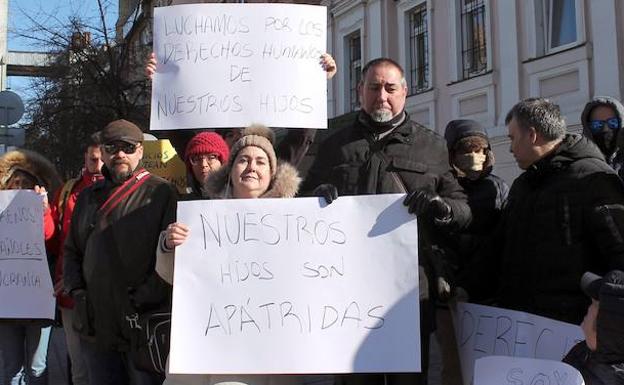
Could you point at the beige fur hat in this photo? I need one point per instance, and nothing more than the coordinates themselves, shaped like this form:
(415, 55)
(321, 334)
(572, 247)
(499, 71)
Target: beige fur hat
(259, 136)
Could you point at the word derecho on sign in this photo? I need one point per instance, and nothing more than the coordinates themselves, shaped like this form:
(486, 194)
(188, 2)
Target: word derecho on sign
(283, 280)
(25, 283)
(488, 331)
(255, 62)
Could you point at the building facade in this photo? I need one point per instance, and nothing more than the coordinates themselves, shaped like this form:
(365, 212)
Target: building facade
(471, 59)
(475, 59)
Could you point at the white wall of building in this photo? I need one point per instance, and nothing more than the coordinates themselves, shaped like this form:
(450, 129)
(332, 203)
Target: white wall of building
(518, 65)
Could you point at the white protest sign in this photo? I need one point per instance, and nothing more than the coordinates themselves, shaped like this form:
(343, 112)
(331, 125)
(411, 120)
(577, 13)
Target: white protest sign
(497, 370)
(288, 286)
(25, 282)
(230, 65)
(489, 331)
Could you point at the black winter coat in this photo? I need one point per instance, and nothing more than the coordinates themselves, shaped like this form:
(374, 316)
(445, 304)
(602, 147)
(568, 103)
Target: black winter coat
(357, 164)
(114, 255)
(564, 216)
(594, 371)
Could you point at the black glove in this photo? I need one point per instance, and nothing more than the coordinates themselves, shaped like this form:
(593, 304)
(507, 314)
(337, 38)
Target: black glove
(327, 191)
(424, 203)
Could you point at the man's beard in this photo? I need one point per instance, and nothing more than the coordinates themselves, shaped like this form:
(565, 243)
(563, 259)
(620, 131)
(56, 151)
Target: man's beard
(381, 116)
(121, 176)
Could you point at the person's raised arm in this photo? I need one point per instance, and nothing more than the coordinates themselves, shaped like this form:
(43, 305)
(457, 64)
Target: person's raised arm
(150, 66)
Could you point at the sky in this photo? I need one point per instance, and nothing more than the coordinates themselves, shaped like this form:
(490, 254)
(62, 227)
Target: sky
(49, 13)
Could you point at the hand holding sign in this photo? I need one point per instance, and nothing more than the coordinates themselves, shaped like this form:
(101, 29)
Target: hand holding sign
(229, 65)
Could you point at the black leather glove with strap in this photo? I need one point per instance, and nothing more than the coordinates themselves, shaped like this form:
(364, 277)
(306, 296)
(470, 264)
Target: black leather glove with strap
(428, 204)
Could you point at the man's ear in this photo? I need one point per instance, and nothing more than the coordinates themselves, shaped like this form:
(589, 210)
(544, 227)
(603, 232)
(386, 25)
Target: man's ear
(533, 136)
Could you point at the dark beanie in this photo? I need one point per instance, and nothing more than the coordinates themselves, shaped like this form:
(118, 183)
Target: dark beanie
(206, 143)
(461, 128)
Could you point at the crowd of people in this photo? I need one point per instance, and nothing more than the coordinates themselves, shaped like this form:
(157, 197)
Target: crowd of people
(552, 244)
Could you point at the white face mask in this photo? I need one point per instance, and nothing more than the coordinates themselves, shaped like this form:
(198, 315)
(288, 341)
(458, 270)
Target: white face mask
(472, 161)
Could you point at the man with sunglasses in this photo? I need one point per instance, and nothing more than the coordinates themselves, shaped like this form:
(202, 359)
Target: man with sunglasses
(602, 122)
(109, 256)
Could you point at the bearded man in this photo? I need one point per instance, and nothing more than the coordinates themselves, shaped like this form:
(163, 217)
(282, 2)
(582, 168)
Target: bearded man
(109, 256)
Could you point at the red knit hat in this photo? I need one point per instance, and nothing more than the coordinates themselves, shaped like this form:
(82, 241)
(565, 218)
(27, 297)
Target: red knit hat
(205, 143)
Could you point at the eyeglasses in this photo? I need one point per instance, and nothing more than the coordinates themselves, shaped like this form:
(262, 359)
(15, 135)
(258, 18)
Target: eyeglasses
(127, 148)
(199, 158)
(597, 125)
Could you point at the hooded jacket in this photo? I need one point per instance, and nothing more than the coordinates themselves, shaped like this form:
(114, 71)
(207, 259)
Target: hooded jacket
(32, 163)
(486, 196)
(605, 365)
(564, 216)
(617, 159)
(37, 166)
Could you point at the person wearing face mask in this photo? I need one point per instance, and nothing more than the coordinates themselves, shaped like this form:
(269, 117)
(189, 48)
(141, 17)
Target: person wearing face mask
(471, 159)
(109, 257)
(602, 120)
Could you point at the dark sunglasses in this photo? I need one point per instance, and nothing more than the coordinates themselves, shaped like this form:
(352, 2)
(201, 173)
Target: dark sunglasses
(597, 125)
(113, 148)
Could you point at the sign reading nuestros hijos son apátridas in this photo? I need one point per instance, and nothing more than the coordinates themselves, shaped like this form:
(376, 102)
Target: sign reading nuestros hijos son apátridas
(288, 286)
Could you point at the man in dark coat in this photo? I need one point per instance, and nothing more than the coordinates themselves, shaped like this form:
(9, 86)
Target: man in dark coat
(109, 256)
(600, 358)
(385, 152)
(602, 120)
(564, 216)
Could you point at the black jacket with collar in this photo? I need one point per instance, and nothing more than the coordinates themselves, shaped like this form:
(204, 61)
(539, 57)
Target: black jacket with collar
(358, 164)
(564, 216)
(113, 255)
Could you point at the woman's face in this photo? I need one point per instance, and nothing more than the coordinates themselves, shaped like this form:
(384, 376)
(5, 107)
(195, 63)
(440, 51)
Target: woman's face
(20, 181)
(203, 165)
(251, 173)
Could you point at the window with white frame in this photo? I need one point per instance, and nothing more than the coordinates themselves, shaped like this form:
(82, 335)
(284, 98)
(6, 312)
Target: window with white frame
(473, 38)
(558, 23)
(354, 59)
(418, 49)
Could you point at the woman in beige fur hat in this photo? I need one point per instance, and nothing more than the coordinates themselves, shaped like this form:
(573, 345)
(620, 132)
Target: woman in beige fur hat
(252, 171)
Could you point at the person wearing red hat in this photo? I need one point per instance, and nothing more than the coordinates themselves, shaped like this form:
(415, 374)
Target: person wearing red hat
(205, 153)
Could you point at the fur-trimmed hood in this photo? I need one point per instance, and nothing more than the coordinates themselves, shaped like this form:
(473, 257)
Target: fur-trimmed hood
(31, 162)
(285, 183)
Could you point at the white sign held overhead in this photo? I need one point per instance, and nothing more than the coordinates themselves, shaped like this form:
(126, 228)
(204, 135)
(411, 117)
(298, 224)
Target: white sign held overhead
(483, 331)
(25, 282)
(230, 65)
(288, 286)
(496, 370)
